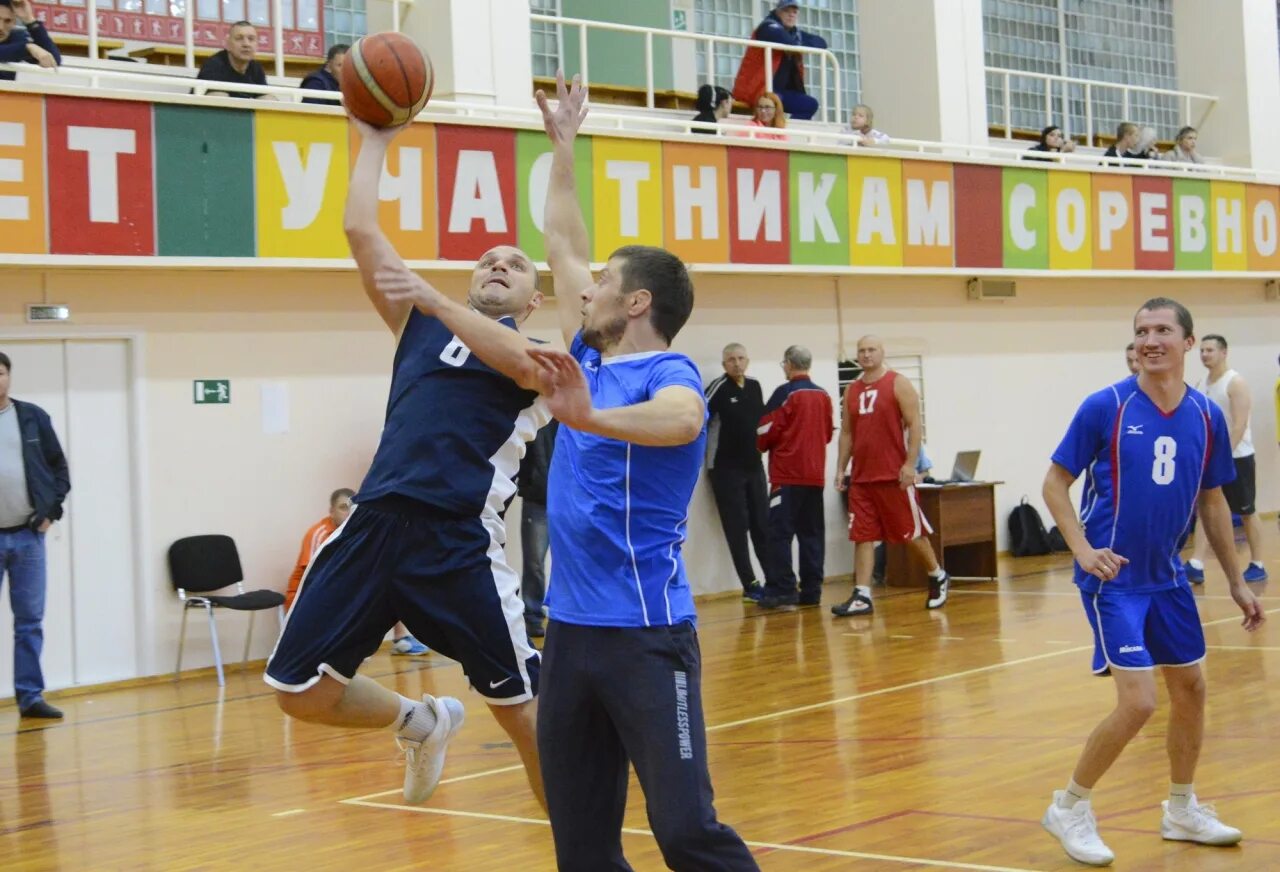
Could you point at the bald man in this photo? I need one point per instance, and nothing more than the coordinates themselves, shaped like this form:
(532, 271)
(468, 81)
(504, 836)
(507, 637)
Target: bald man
(880, 431)
(734, 406)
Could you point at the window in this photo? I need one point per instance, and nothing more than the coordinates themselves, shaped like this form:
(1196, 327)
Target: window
(344, 21)
(836, 21)
(1124, 41)
(546, 40)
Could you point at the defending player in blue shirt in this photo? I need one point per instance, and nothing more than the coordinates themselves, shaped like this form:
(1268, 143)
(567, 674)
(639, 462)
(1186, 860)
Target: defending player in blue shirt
(1154, 452)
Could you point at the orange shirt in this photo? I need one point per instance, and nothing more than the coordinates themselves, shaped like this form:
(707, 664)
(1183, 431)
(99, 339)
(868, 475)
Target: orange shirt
(311, 543)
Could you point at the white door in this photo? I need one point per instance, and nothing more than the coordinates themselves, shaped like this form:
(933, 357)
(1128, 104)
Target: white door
(91, 602)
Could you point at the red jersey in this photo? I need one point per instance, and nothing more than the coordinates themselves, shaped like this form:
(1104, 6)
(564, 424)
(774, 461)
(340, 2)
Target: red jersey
(311, 543)
(879, 443)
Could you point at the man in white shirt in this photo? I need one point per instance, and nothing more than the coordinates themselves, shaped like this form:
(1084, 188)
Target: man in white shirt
(1228, 389)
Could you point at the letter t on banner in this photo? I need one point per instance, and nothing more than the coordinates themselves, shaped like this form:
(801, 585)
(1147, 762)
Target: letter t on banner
(100, 177)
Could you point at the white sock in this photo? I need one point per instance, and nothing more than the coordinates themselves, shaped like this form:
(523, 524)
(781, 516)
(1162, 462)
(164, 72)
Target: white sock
(1198, 564)
(937, 574)
(1073, 794)
(416, 720)
(1180, 795)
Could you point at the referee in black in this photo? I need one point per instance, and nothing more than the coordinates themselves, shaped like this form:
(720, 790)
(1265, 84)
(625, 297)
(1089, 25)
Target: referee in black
(735, 404)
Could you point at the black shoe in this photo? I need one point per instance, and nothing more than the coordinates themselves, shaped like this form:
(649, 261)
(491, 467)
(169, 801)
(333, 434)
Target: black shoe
(41, 709)
(778, 600)
(535, 631)
(752, 592)
(809, 600)
(857, 604)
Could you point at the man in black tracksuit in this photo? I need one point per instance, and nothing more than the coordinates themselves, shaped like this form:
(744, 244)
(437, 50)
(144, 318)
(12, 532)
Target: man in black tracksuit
(735, 404)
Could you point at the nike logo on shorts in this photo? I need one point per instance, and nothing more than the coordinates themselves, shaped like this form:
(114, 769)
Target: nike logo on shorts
(497, 684)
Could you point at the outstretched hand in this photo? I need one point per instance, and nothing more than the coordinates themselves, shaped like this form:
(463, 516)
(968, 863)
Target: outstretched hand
(563, 123)
(369, 133)
(568, 397)
(398, 284)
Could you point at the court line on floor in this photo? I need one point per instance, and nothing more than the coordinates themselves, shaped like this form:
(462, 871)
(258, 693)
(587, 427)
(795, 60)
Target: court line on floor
(1241, 648)
(924, 682)
(1072, 594)
(771, 846)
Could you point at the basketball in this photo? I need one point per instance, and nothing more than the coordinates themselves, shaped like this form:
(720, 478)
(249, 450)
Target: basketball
(386, 80)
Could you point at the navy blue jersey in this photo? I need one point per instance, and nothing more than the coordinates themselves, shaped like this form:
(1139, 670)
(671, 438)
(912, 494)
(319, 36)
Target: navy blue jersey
(455, 428)
(1145, 469)
(617, 512)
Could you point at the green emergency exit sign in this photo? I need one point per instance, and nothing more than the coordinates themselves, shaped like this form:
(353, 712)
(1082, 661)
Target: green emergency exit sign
(212, 390)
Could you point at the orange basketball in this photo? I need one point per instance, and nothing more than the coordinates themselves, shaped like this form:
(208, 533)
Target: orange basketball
(386, 79)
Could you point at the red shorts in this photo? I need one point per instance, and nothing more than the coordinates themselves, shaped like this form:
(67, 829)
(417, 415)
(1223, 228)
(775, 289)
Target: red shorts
(881, 511)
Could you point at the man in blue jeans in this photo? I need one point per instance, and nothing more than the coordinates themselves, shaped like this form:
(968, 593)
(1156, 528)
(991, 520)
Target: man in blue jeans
(33, 483)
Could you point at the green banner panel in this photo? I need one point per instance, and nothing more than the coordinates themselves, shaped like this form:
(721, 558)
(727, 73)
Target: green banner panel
(1192, 224)
(1025, 196)
(819, 209)
(530, 146)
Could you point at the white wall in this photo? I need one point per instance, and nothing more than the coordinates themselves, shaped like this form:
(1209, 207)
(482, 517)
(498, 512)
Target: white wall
(1003, 378)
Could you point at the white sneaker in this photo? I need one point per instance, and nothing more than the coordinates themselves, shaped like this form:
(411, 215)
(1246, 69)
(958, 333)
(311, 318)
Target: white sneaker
(1077, 829)
(938, 589)
(424, 761)
(1196, 823)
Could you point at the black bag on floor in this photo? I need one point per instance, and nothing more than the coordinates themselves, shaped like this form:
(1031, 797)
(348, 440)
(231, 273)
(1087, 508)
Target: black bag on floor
(1057, 542)
(1027, 535)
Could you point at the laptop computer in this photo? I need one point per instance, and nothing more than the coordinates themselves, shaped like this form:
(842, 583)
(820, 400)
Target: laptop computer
(966, 466)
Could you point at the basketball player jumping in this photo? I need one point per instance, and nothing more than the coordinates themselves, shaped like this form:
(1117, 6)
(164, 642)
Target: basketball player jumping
(424, 542)
(1155, 451)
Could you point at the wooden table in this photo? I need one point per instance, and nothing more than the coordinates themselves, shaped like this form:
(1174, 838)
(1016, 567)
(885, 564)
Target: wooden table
(963, 517)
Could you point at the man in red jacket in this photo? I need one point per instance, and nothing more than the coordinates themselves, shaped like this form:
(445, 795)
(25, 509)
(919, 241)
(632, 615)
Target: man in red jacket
(880, 430)
(795, 430)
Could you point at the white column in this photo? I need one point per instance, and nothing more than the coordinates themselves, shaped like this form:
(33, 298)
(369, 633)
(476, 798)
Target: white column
(937, 89)
(1229, 49)
(480, 48)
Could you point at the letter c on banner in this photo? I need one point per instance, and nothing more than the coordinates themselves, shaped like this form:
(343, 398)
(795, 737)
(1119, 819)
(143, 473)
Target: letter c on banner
(1021, 199)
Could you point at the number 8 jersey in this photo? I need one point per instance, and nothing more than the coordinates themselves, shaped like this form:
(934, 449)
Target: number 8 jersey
(1144, 470)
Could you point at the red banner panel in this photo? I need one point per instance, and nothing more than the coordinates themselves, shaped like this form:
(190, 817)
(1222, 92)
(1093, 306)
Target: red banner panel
(101, 183)
(759, 206)
(476, 178)
(979, 216)
(1153, 230)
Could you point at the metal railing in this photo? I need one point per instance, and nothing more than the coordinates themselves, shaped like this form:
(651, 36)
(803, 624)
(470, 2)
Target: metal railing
(830, 113)
(1089, 86)
(97, 75)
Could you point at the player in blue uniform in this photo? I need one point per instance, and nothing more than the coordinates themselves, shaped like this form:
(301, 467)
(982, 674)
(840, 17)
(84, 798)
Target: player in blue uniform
(622, 668)
(424, 544)
(1154, 451)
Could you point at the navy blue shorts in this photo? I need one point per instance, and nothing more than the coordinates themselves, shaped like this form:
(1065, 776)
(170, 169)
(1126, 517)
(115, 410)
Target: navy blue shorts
(445, 576)
(1145, 630)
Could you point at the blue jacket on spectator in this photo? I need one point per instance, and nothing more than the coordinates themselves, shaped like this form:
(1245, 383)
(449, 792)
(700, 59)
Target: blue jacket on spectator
(14, 49)
(48, 479)
(320, 80)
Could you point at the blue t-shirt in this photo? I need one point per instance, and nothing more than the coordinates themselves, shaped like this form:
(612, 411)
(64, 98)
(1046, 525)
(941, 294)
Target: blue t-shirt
(455, 429)
(617, 512)
(1145, 470)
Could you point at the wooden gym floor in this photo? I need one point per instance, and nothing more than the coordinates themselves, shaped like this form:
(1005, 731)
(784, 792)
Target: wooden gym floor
(912, 739)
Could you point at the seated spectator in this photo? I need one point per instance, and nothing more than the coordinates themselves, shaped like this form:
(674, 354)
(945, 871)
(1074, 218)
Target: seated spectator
(32, 45)
(714, 104)
(1052, 141)
(316, 535)
(788, 67)
(1147, 147)
(768, 113)
(1184, 148)
(235, 63)
(327, 77)
(859, 126)
(1129, 139)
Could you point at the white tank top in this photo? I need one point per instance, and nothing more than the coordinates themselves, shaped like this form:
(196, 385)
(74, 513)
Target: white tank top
(1217, 391)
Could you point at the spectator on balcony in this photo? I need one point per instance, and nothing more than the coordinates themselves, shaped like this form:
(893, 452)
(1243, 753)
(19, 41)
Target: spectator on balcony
(327, 77)
(788, 67)
(1184, 147)
(860, 129)
(1051, 141)
(1147, 148)
(1129, 143)
(32, 45)
(714, 104)
(768, 114)
(236, 63)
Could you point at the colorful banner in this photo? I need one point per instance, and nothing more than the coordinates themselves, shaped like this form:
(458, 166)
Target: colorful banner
(132, 178)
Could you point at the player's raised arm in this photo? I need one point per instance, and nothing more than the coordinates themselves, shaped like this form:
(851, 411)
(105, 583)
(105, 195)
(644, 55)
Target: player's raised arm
(369, 245)
(568, 246)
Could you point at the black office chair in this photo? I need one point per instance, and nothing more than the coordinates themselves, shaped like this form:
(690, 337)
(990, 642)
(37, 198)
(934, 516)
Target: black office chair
(202, 564)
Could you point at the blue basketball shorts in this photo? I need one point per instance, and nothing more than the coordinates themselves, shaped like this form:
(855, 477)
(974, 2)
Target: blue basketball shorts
(1144, 630)
(443, 575)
